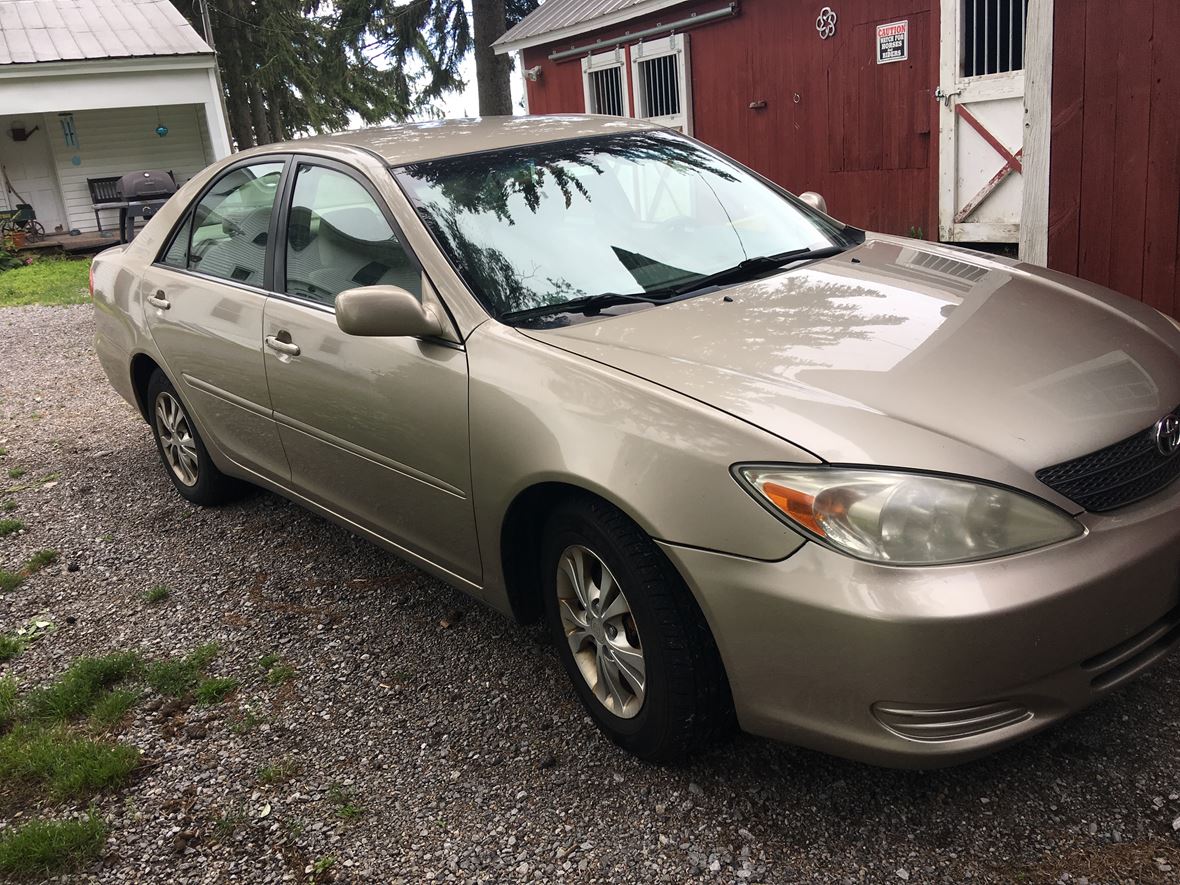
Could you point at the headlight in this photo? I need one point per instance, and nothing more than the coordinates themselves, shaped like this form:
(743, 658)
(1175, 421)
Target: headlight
(907, 518)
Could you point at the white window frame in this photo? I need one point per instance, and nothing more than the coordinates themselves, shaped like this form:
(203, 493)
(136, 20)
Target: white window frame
(674, 45)
(615, 58)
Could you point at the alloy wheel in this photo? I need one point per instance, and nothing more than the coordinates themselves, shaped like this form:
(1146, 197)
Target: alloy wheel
(176, 439)
(600, 628)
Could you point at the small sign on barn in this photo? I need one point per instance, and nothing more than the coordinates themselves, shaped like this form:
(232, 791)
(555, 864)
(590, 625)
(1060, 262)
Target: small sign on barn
(893, 42)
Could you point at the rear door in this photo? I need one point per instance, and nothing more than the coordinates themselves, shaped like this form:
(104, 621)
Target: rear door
(374, 428)
(204, 301)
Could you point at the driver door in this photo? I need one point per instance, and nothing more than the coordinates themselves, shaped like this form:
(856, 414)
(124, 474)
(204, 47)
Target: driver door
(375, 429)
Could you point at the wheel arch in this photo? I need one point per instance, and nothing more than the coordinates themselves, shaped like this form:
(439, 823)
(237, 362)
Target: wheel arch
(142, 368)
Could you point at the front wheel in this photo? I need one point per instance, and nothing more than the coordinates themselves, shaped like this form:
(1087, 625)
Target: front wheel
(185, 458)
(630, 635)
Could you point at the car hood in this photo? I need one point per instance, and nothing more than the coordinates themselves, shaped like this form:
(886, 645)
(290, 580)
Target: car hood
(908, 354)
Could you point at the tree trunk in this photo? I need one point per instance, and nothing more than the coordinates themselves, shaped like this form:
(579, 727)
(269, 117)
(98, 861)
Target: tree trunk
(275, 118)
(235, 88)
(258, 112)
(492, 71)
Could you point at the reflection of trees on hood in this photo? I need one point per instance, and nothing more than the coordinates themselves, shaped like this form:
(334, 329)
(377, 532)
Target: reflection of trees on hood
(481, 184)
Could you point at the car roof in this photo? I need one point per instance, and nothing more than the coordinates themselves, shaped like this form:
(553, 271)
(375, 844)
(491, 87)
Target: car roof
(414, 142)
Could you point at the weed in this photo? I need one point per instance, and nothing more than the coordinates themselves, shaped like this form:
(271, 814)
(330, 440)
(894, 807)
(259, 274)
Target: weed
(39, 560)
(81, 687)
(8, 506)
(48, 847)
(8, 688)
(342, 799)
(16, 472)
(268, 661)
(247, 722)
(157, 594)
(179, 675)
(68, 765)
(213, 691)
(10, 647)
(280, 674)
(106, 538)
(9, 580)
(322, 865)
(3, 451)
(277, 773)
(227, 824)
(110, 709)
(9, 526)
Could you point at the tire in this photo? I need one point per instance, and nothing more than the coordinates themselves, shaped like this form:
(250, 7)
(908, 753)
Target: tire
(186, 461)
(683, 703)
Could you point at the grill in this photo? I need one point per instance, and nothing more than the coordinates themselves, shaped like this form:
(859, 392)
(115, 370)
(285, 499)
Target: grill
(1128, 471)
(142, 194)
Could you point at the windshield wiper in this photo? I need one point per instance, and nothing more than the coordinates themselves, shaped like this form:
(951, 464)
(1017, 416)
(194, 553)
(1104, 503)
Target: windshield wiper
(751, 267)
(589, 305)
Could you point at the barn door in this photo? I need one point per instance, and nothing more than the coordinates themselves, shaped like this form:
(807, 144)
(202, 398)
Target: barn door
(981, 122)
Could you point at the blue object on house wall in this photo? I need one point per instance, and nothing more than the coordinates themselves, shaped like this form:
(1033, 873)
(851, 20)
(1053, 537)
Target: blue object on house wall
(161, 130)
(76, 160)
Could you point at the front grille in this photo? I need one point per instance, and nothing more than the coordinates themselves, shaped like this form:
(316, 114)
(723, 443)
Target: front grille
(1128, 471)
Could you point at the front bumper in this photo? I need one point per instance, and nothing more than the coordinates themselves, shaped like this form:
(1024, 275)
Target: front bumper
(823, 650)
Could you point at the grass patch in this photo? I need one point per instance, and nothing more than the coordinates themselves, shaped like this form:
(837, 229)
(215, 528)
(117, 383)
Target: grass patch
(7, 702)
(342, 799)
(214, 691)
(50, 281)
(81, 687)
(110, 709)
(280, 674)
(46, 848)
(268, 661)
(10, 580)
(16, 472)
(8, 506)
(180, 675)
(39, 560)
(278, 773)
(10, 647)
(68, 765)
(9, 526)
(157, 594)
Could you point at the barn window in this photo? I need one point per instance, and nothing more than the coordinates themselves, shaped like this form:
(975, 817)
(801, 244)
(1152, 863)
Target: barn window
(604, 81)
(659, 70)
(993, 36)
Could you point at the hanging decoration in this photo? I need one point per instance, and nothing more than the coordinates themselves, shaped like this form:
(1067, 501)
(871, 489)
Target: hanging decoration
(161, 129)
(826, 23)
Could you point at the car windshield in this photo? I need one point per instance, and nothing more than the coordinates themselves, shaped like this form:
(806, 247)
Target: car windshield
(630, 214)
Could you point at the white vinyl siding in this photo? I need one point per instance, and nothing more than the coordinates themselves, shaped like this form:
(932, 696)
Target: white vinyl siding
(121, 140)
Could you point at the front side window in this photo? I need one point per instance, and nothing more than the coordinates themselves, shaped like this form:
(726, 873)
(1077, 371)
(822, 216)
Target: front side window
(635, 214)
(229, 226)
(338, 238)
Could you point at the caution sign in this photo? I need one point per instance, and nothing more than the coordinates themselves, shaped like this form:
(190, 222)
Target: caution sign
(893, 42)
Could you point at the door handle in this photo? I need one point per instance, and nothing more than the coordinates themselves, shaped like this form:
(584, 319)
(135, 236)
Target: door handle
(282, 346)
(158, 300)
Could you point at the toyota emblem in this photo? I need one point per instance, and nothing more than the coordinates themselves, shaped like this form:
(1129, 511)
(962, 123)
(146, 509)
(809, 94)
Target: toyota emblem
(1167, 435)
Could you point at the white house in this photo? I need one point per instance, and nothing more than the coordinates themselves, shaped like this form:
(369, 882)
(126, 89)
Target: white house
(93, 89)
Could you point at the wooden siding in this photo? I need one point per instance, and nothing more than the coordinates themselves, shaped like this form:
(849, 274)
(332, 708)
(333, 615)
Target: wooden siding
(864, 135)
(121, 140)
(1114, 178)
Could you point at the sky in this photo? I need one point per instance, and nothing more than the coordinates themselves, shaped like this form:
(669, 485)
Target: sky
(466, 103)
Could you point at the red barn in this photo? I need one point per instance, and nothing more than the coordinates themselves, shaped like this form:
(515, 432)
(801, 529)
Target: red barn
(1053, 125)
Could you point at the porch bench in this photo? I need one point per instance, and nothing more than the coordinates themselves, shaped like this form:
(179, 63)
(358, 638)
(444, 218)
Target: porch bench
(104, 194)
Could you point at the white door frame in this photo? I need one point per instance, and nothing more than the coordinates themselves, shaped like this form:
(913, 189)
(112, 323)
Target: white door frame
(1038, 130)
(47, 219)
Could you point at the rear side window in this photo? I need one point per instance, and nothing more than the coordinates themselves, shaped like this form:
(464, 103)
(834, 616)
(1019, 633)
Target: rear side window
(225, 236)
(338, 238)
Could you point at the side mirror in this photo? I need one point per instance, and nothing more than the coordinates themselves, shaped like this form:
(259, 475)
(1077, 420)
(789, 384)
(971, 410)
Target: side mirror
(386, 312)
(815, 201)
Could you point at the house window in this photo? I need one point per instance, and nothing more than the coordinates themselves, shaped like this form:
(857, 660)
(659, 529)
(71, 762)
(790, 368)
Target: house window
(604, 81)
(993, 36)
(660, 72)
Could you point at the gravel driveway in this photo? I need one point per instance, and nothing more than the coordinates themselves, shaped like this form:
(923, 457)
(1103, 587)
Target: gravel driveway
(432, 740)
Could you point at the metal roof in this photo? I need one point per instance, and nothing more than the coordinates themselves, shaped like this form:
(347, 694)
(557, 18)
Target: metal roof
(558, 19)
(34, 31)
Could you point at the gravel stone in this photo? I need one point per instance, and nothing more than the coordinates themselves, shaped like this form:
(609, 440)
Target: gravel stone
(427, 739)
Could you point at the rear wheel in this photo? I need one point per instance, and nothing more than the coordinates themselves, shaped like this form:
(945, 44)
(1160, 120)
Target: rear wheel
(630, 635)
(185, 458)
